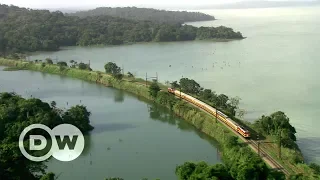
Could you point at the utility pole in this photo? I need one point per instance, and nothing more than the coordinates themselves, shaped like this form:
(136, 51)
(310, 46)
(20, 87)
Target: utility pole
(180, 90)
(258, 144)
(280, 143)
(157, 76)
(216, 115)
(152, 78)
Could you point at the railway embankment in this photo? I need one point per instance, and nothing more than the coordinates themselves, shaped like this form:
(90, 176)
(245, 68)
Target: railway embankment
(235, 153)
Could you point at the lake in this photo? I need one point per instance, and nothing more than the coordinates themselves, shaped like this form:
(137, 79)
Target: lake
(132, 139)
(274, 68)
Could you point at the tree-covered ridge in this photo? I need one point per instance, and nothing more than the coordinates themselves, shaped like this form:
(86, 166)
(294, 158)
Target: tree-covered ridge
(278, 124)
(146, 14)
(16, 113)
(25, 30)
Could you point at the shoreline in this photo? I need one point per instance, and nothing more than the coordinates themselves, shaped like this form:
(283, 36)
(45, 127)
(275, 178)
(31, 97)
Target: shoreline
(192, 115)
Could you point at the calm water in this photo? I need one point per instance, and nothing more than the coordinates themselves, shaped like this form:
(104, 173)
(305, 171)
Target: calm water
(275, 68)
(144, 140)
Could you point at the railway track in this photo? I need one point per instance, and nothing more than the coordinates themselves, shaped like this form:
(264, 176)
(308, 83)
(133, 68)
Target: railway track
(253, 145)
(266, 155)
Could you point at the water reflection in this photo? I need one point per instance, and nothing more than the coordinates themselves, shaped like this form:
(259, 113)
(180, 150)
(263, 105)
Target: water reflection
(100, 128)
(87, 145)
(118, 96)
(44, 75)
(127, 135)
(160, 113)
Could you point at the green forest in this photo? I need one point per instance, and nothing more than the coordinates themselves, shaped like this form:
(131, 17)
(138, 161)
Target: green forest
(146, 14)
(16, 113)
(25, 30)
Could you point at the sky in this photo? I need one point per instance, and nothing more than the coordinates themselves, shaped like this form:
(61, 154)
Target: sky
(116, 3)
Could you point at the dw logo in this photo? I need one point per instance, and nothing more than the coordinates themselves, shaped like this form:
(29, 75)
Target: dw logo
(67, 142)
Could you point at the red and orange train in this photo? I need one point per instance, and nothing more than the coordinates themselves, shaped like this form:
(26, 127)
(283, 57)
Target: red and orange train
(221, 116)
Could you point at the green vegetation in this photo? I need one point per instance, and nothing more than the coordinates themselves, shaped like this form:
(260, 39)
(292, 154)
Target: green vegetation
(62, 63)
(49, 61)
(315, 167)
(277, 129)
(112, 68)
(16, 113)
(146, 14)
(221, 101)
(84, 66)
(24, 30)
(240, 161)
(11, 69)
(202, 170)
(276, 124)
(154, 89)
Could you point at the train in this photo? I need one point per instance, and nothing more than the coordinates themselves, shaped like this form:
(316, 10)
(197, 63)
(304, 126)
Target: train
(218, 114)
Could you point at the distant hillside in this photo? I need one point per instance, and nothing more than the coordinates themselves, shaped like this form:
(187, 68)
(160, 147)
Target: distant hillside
(146, 14)
(261, 4)
(27, 30)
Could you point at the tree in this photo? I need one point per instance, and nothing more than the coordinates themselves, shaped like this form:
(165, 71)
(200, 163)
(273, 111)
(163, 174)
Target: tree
(276, 122)
(175, 85)
(190, 86)
(78, 115)
(49, 61)
(118, 76)
(206, 94)
(112, 68)
(201, 170)
(16, 113)
(154, 89)
(276, 175)
(235, 101)
(49, 176)
(241, 113)
(232, 141)
(315, 167)
(42, 30)
(130, 75)
(84, 66)
(53, 104)
(222, 100)
(62, 63)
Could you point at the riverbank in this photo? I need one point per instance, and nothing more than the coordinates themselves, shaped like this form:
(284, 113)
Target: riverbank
(197, 118)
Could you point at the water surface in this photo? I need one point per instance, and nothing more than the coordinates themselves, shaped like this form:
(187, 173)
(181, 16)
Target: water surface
(132, 139)
(275, 68)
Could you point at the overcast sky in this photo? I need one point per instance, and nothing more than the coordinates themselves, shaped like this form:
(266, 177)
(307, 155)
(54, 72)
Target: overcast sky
(111, 3)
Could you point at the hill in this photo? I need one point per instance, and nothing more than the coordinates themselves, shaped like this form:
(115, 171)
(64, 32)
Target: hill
(27, 30)
(262, 4)
(146, 14)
